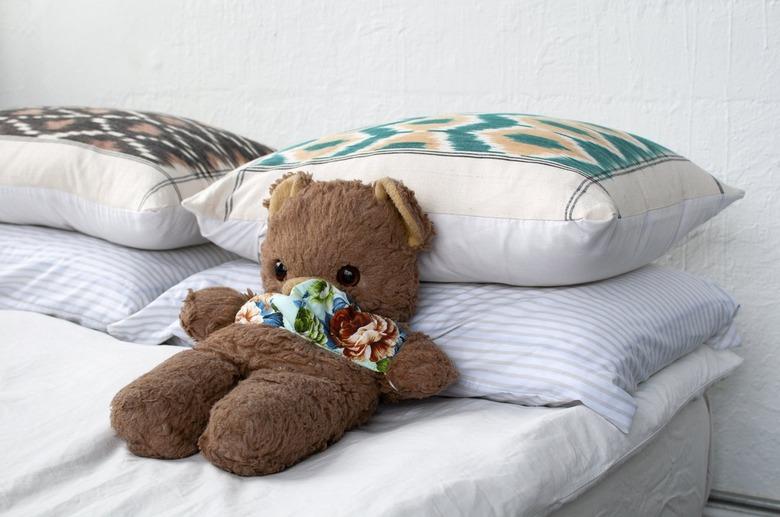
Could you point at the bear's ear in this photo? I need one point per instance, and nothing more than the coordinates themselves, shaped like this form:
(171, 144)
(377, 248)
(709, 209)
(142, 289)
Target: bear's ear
(284, 188)
(419, 228)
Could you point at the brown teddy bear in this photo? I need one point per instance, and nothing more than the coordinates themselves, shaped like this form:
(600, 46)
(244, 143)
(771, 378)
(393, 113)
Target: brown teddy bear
(275, 378)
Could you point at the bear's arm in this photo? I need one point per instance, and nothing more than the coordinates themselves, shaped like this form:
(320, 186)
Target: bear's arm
(207, 310)
(419, 370)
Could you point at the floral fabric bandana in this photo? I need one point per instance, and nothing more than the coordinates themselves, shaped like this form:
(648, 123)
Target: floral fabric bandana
(324, 315)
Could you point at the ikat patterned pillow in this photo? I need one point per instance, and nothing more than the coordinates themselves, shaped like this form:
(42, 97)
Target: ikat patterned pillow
(115, 174)
(515, 199)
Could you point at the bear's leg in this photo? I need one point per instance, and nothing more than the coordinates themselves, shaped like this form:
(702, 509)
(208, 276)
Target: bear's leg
(274, 419)
(162, 413)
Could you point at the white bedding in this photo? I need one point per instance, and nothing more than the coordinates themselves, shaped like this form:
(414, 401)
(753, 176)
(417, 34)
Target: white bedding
(438, 457)
(668, 477)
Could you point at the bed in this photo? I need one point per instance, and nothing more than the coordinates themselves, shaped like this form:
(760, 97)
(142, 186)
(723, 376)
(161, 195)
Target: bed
(584, 397)
(437, 457)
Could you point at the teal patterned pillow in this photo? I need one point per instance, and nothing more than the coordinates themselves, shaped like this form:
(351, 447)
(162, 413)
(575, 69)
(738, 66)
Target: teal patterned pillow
(516, 199)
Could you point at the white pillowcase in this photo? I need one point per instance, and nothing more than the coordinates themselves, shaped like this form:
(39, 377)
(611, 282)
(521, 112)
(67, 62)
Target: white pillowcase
(592, 343)
(87, 280)
(515, 199)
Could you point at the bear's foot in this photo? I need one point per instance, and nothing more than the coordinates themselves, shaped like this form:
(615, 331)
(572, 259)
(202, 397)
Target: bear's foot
(162, 413)
(274, 419)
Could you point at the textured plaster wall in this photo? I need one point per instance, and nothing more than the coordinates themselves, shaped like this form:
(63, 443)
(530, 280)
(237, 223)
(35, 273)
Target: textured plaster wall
(701, 76)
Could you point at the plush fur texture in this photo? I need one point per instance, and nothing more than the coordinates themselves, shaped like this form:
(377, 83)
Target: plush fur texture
(256, 399)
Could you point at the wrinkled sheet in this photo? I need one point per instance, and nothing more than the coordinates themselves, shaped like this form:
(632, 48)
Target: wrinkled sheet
(668, 476)
(445, 457)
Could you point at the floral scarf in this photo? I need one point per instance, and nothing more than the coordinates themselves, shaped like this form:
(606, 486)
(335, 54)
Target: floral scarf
(321, 313)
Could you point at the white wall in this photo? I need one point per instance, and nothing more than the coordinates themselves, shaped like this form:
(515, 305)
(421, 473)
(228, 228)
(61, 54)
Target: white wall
(702, 77)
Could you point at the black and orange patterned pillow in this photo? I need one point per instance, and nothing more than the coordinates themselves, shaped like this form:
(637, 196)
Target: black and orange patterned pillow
(116, 174)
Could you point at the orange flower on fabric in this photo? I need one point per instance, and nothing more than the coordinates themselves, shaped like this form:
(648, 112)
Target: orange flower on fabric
(364, 336)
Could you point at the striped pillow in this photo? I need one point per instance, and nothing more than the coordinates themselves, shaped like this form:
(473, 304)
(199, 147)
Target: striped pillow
(159, 320)
(516, 199)
(591, 343)
(86, 280)
(115, 174)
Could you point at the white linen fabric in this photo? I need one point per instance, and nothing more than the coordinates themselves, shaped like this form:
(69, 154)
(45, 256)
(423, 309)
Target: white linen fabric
(115, 174)
(469, 456)
(669, 476)
(87, 280)
(592, 343)
(515, 199)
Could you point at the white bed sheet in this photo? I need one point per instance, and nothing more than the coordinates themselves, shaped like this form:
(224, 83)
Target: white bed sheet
(669, 476)
(444, 457)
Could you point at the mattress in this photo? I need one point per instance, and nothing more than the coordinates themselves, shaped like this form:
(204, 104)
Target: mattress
(668, 476)
(435, 457)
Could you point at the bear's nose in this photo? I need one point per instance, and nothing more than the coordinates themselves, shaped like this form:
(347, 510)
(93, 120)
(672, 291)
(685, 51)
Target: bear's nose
(287, 287)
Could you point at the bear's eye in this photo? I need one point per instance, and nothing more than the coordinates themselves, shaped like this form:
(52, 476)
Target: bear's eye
(280, 270)
(348, 275)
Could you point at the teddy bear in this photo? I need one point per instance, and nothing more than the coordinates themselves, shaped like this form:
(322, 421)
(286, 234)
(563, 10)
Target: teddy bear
(276, 377)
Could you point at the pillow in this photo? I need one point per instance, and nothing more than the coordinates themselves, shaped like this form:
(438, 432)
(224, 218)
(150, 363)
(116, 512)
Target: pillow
(87, 280)
(158, 321)
(516, 199)
(592, 343)
(118, 175)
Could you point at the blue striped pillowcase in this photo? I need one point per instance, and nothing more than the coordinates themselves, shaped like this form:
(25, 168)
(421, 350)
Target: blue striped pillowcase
(88, 280)
(159, 321)
(592, 343)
